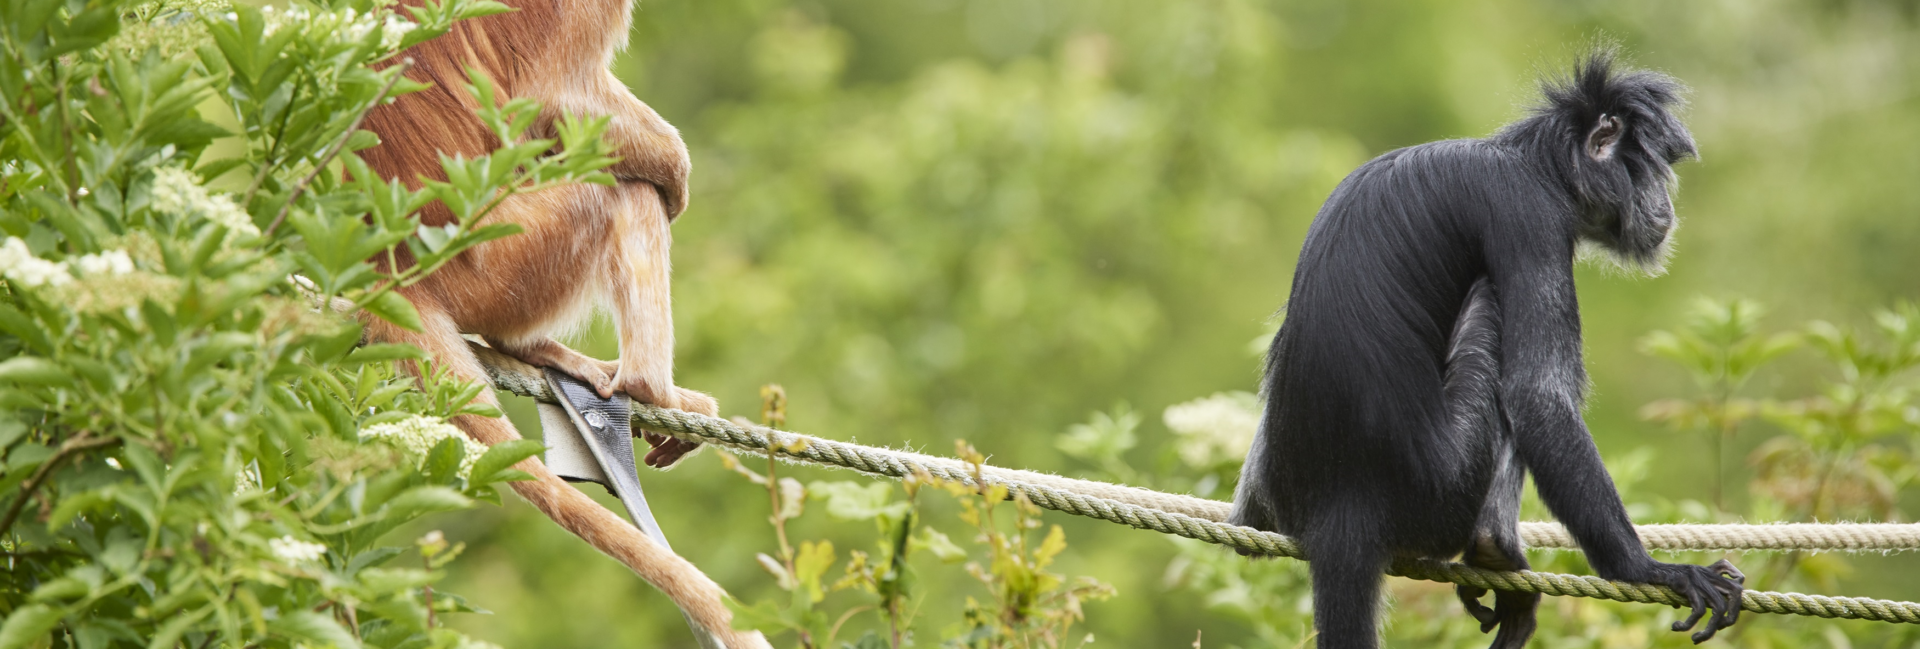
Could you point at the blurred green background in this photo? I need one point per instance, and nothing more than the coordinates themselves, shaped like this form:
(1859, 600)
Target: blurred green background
(934, 220)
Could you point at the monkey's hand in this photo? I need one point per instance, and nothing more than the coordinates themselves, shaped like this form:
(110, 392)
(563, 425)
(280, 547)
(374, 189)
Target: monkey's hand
(666, 450)
(1717, 586)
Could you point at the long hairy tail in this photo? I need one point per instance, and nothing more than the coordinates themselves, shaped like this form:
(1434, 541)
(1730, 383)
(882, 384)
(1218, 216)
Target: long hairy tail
(703, 601)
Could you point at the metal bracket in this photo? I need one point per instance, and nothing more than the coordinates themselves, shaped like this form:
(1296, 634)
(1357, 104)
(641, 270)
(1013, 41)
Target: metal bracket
(601, 428)
(590, 439)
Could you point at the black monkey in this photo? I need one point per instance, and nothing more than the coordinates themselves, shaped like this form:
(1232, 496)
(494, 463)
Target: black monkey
(1430, 357)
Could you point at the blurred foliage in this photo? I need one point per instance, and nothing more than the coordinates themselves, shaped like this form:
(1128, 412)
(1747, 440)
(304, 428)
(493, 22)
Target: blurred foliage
(196, 450)
(984, 219)
(934, 220)
(1029, 607)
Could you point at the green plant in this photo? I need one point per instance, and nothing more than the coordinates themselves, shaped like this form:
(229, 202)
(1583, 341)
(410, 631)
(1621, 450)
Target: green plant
(1721, 347)
(1029, 607)
(195, 451)
(1847, 449)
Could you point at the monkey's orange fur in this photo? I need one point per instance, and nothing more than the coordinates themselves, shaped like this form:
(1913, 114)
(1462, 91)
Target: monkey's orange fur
(583, 245)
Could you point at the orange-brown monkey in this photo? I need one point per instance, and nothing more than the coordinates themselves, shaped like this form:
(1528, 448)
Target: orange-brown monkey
(581, 245)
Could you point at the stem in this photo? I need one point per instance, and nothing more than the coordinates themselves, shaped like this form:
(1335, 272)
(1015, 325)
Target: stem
(83, 441)
(427, 562)
(405, 64)
(893, 621)
(159, 415)
(835, 629)
(1721, 437)
(266, 167)
(72, 168)
(273, 149)
(779, 522)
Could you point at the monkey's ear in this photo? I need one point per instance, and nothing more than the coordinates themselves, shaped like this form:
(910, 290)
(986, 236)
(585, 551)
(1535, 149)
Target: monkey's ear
(1604, 136)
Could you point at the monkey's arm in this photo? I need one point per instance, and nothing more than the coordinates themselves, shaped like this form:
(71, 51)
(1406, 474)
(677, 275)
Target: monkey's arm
(649, 148)
(1542, 389)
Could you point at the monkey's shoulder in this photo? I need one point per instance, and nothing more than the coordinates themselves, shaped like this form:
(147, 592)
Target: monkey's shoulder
(1440, 159)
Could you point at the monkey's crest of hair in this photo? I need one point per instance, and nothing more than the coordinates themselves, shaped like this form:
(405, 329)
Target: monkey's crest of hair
(1622, 191)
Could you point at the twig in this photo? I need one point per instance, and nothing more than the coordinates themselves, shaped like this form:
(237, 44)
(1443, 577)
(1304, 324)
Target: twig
(405, 65)
(85, 440)
(844, 617)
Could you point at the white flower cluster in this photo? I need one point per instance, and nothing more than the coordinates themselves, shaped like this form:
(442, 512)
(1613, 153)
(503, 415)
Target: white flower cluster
(20, 265)
(394, 30)
(1214, 429)
(111, 262)
(177, 191)
(350, 25)
(416, 436)
(292, 550)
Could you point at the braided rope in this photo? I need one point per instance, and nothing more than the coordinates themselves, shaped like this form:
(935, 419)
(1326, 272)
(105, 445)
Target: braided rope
(1049, 493)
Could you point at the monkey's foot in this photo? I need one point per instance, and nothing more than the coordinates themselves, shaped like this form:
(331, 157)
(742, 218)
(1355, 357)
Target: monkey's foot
(667, 450)
(546, 352)
(1512, 613)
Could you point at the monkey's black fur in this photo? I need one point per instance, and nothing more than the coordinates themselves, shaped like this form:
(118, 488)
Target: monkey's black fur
(1430, 357)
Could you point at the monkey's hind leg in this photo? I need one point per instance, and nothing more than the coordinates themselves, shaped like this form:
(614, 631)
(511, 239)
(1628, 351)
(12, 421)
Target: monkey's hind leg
(1496, 546)
(1347, 565)
(1473, 405)
(640, 282)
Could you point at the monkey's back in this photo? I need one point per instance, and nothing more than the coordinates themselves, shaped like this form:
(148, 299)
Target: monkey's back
(1354, 380)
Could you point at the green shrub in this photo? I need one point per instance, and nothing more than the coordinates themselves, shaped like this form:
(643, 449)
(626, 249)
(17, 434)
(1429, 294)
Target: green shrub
(186, 435)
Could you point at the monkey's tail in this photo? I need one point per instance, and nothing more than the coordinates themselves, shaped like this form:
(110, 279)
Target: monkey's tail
(699, 597)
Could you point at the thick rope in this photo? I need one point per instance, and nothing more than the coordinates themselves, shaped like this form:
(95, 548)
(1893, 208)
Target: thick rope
(1093, 500)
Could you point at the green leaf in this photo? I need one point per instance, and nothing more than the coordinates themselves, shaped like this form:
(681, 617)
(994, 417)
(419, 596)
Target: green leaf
(168, 635)
(14, 322)
(481, 409)
(1055, 542)
(503, 475)
(373, 557)
(29, 624)
(311, 626)
(942, 547)
(503, 456)
(763, 616)
(395, 580)
(391, 307)
(810, 564)
(853, 501)
(384, 352)
(425, 500)
(33, 370)
(11, 430)
(443, 460)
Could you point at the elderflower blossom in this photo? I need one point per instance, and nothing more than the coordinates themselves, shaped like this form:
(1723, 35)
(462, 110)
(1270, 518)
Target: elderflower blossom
(111, 262)
(353, 30)
(177, 191)
(20, 265)
(417, 435)
(292, 550)
(395, 30)
(1214, 429)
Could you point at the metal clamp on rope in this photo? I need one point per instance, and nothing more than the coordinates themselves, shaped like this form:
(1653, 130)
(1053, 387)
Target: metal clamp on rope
(590, 439)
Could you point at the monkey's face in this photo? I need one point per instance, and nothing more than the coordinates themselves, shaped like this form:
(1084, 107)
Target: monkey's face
(1627, 194)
